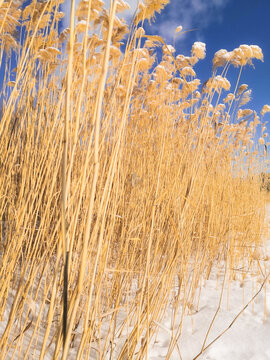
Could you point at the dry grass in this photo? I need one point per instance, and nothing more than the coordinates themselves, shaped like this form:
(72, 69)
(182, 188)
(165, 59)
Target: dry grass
(144, 178)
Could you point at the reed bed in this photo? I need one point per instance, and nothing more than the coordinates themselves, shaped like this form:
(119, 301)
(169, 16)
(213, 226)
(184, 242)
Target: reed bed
(124, 181)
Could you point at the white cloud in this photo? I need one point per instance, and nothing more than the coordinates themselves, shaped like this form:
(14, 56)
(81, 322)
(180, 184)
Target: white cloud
(190, 14)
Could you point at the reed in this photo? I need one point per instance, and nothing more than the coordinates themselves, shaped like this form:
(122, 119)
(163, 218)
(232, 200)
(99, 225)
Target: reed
(121, 174)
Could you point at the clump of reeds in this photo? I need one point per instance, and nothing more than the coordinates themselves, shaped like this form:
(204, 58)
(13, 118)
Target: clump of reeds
(144, 176)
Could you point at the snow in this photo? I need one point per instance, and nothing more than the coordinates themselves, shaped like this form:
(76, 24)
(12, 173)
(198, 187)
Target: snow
(245, 334)
(246, 339)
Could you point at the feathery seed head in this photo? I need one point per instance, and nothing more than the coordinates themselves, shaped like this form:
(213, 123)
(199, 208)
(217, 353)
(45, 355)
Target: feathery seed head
(245, 98)
(122, 6)
(247, 51)
(218, 82)
(161, 73)
(143, 64)
(194, 84)
(188, 71)
(148, 9)
(265, 109)
(198, 50)
(81, 26)
(140, 32)
(182, 61)
(178, 29)
(244, 113)
(241, 89)
(221, 107)
(192, 60)
(169, 49)
(257, 52)
(220, 58)
(230, 97)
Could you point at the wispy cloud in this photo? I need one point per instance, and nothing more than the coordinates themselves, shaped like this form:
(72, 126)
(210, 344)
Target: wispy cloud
(190, 14)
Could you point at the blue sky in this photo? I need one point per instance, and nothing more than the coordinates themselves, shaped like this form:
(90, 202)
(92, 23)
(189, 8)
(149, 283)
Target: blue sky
(222, 24)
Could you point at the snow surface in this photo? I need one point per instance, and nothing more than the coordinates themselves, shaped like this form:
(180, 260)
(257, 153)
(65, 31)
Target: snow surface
(247, 338)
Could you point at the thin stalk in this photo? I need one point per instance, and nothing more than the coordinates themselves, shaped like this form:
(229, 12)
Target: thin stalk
(64, 171)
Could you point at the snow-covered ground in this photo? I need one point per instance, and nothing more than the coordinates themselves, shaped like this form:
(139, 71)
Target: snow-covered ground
(247, 338)
(245, 334)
